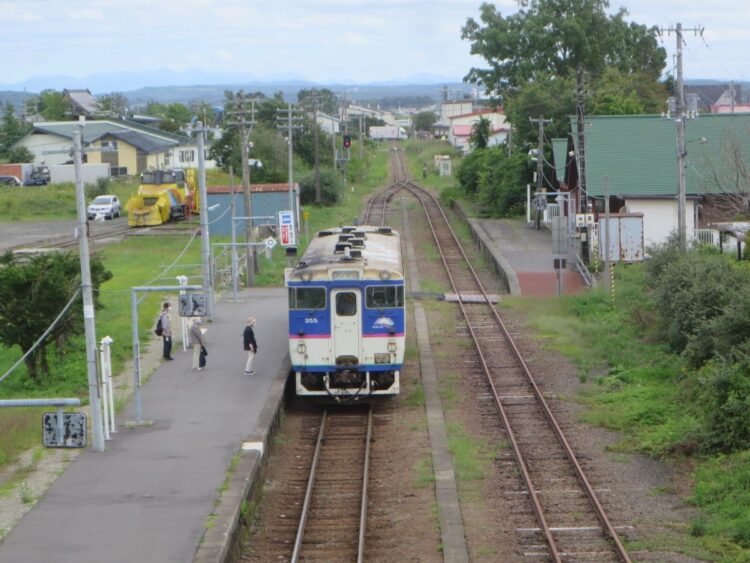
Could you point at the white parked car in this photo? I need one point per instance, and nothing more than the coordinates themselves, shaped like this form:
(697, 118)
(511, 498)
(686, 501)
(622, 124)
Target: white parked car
(107, 206)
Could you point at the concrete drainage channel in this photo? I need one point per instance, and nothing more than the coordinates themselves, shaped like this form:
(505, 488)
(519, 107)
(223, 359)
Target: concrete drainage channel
(226, 526)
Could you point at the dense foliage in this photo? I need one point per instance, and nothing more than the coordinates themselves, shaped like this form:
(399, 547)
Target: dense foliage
(703, 303)
(32, 293)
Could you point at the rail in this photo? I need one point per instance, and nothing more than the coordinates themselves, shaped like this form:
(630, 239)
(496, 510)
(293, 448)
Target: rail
(607, 527)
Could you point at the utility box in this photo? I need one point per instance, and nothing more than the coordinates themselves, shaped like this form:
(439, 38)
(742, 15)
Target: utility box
(625, 237)
(442, 163)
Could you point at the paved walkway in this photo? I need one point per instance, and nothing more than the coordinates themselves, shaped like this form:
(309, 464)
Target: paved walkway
(525, 255)
(147, 498)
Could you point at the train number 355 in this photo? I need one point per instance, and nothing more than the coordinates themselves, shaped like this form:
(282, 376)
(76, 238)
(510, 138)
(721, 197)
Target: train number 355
(311, 320)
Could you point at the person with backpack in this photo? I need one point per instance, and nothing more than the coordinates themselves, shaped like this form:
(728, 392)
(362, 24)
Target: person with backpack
(198, 342)
(164, 330)
(249, 344)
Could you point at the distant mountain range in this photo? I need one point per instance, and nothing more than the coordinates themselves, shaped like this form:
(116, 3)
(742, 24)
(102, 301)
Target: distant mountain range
(169, 86)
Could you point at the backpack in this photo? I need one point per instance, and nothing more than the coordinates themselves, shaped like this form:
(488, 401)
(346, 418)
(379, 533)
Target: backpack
(159, 330)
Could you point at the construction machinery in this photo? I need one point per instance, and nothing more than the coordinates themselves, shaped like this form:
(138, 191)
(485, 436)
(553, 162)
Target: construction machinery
(163, 196)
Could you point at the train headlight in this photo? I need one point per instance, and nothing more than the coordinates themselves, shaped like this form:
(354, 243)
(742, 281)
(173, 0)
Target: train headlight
(382, 358)
(301, 348)
(392, 346)
(385, 275)
(306, 276)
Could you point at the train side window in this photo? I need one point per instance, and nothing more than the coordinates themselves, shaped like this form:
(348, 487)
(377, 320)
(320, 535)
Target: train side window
(385, 296)
(307, 298)
(346, 304)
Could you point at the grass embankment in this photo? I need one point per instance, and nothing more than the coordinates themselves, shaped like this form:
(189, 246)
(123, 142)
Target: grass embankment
(641, 389)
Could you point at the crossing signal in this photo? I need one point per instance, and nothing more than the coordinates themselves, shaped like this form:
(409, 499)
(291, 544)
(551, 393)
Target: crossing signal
(347, 141)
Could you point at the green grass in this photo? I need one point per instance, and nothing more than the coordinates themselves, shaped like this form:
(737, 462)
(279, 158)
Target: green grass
(641, 390)
(425, 475)
(53, 201)
(472, 459)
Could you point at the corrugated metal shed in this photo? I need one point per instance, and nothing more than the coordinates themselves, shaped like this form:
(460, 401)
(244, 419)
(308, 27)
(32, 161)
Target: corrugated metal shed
(639, 153)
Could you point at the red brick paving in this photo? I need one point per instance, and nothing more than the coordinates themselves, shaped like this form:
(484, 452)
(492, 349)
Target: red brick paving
(544, 284)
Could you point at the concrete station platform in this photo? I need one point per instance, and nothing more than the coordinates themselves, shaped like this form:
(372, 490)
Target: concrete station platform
(150, 495)
(524, 257)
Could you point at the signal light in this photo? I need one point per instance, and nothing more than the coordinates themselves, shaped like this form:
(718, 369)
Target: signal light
(347, 141)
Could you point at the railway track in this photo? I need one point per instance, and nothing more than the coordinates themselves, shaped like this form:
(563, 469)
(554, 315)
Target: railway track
(96, 232)
(333, 518)
(571, 524)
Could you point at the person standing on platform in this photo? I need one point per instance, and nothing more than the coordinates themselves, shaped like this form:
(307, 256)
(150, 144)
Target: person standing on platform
(251, 347)
(166, 334)
(198, 342)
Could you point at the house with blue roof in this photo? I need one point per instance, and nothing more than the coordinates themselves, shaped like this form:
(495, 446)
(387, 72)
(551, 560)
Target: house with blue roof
(636, 155)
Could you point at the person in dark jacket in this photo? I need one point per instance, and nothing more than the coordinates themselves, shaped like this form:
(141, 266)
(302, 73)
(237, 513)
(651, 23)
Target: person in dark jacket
(166, 332)
(251, 347)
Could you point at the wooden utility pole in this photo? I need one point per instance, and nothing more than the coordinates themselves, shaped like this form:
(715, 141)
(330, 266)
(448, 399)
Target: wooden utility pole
(580, 114)
(245, 124)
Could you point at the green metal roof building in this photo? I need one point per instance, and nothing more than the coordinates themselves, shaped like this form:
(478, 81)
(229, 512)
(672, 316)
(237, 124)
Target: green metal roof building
(638, 153)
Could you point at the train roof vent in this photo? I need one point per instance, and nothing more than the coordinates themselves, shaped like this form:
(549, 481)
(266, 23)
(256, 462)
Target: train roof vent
(348, 229)
(341, 247)
(359, 234)
(355, 254)
(357, 242)
(322, 234)
(385, 231)
(344, 238)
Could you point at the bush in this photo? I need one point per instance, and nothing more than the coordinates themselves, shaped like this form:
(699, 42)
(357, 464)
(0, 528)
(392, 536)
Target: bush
(692, 292)
(102, 186)
(330, 188)
(725, 401)
(468, 172)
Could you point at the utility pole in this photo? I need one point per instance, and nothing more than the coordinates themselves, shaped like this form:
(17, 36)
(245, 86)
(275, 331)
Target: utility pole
(245, 124)
(208, 285)
(680, 117)
(88, 296)
(361, 142)
(317, 155)
(89, 324)
(293, 121)
(541, 122)
(580, 114)
(333, 143)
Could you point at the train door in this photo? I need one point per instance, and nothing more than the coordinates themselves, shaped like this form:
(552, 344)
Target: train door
(347, 319)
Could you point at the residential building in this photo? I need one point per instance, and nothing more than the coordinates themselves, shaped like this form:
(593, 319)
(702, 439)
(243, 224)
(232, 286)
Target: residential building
(131, 147)
(636, 156)
(461, 126)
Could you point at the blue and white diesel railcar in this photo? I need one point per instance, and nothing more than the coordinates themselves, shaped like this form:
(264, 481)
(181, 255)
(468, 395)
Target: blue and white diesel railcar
(346, 314)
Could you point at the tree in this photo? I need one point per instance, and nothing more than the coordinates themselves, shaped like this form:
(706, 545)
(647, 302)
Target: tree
(425, 120)
(480, 133)
(33, 293)
(553, 37)
(541, 46)
(20, 154)
(326, 100)
(115, 104)
(53, 106)
(11, 129)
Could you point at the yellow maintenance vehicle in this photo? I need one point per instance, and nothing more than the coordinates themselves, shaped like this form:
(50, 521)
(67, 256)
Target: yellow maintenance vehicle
(163, 195)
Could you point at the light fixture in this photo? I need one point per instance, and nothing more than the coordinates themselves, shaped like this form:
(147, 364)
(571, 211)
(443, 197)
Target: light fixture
(306, 276)
(301, 348)
(392, 346)
(385, 275)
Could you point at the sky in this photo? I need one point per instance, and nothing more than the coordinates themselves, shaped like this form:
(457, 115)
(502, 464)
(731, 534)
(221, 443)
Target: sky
(325, 41)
